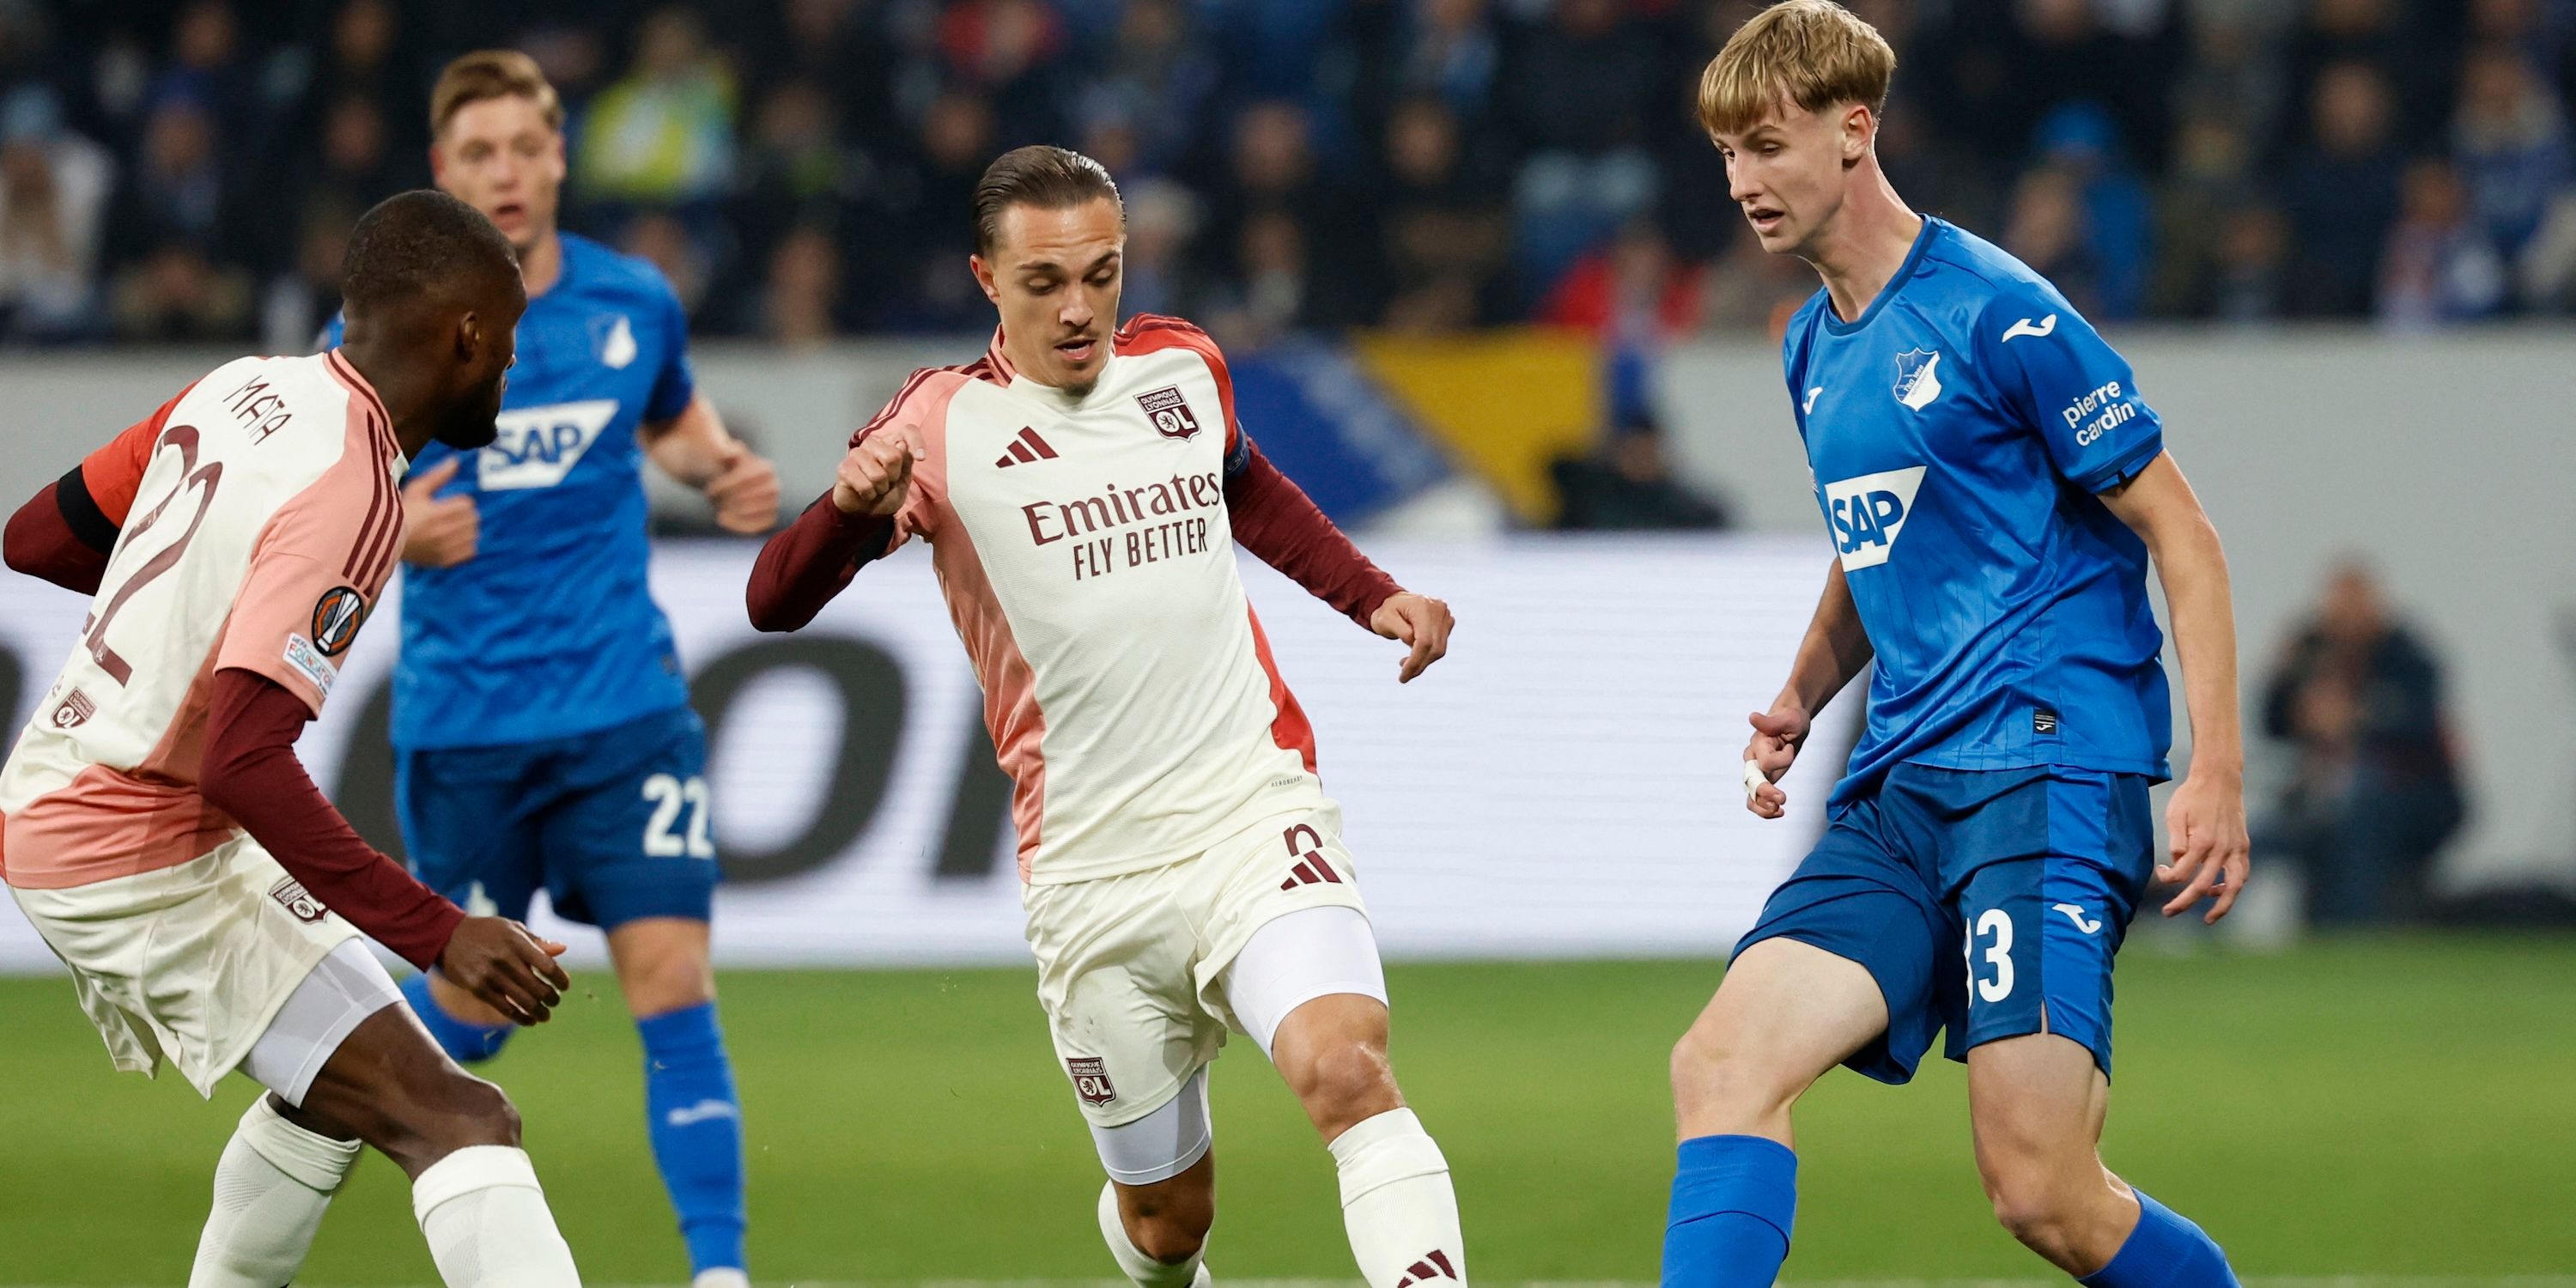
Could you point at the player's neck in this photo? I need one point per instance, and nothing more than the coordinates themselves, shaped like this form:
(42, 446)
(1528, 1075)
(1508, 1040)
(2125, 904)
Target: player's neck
(1868, 243)
(406, 401)
(541, 265)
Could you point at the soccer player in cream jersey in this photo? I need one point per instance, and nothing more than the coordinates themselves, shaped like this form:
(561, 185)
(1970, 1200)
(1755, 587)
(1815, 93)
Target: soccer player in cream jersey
(1995, 489)
(1083, 487)
(158, 829)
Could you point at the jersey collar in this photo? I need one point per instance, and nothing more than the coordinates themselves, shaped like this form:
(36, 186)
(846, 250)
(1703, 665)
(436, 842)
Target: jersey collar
(1834, 325)
(346, 372)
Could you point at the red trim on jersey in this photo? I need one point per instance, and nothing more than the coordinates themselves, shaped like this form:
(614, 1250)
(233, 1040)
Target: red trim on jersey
(1289, 728)
(114, 472)
(1153, 332)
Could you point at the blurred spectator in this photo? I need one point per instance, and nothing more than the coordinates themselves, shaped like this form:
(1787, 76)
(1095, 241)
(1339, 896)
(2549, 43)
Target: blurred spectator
(1276, 179)
(2374, 792)
(1156, 80)
(1272, 292)
(177, 293)
(1448, 50)
(54, 187)
(207, 69)
(661, 239)
(2440, 266)
(301, 299)
(661, 138)
(1443, 238)
(1006, 52)
(2252, 278)
(1581, 90)
(360, 61)
(1627, 485)
(929, 230)
(1635, 298)
(2081, 142)
(2342, 190)
(2047, 230)
(2511, 141)
(1162, 218)
(800, 307)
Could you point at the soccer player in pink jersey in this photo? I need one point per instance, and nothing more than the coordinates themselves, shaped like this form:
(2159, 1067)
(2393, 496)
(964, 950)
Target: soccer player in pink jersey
(157, 828)
(1083, 487)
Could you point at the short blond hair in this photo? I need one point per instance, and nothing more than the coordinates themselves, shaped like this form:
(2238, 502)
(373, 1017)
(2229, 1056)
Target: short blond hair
(491, 73)
(1813, 53)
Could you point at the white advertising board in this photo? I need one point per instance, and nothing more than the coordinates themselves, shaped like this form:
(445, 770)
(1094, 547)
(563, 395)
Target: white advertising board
(1567, 783)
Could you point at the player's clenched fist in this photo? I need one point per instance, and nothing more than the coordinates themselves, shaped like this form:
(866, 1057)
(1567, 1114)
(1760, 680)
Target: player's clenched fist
(511, 970)
(876, 476)
(744, 492)
(438, 532)
(1777, 735)
(1420, 621)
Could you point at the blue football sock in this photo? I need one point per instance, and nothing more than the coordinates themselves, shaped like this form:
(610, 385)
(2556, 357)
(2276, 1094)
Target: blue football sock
(2165, 1251)
(464, 1041)
(696, 1125)
(1733, 1200)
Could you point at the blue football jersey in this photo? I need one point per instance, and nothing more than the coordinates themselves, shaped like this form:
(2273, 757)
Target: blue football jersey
(1959, 432)
(550, 629)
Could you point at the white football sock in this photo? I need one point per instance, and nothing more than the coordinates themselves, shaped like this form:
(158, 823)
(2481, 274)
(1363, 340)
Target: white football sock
(1397, 1203)
(487, 1223)
(271, 1187)
(1147, 1272)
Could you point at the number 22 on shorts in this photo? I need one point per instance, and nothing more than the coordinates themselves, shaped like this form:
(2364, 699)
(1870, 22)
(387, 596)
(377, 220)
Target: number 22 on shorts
(669, 794)
(1994, 922)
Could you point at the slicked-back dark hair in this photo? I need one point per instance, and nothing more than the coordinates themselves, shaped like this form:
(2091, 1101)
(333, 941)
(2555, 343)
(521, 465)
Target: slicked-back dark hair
(416, 244)
(1049, 178)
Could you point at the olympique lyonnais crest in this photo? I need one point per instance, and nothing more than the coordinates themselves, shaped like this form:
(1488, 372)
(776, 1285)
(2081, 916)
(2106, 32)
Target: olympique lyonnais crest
(336, 619)
(290, 895)
(1169, 412)
(75, 711)
(1090, 1080)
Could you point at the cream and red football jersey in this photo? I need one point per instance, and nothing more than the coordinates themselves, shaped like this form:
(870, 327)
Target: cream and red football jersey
(266, 514)
(1085, 552)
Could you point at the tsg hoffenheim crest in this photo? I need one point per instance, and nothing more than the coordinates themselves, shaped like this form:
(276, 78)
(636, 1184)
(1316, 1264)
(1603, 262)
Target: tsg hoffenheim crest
(1918, 377)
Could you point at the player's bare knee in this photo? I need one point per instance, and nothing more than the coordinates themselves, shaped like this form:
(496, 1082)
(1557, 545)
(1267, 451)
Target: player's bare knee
(1172, 1235)
(2032, 1204)
(1713, 1073)
(470, 1111)
(674, 982)
(1345, 1084)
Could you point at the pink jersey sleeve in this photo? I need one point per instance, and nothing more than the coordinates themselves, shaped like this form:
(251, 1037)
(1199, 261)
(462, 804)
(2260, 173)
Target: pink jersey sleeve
(315, 575)
(915, 413)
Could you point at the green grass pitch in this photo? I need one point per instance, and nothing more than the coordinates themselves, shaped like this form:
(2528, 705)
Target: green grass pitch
(2376, 1106)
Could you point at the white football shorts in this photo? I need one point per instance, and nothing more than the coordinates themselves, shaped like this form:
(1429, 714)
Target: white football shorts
(188, 964)
(1133, 970)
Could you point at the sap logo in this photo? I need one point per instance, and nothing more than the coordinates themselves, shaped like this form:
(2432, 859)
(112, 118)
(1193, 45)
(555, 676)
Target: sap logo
(538, 446)
(1918, 377)
(1868, 512)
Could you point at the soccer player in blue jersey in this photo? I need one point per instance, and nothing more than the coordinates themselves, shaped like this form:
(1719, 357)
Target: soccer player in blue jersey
(1995, 489)
(541, 725)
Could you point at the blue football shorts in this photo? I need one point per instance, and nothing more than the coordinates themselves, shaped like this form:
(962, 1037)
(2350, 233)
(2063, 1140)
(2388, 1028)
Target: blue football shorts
(1988, 903)
(614, 824)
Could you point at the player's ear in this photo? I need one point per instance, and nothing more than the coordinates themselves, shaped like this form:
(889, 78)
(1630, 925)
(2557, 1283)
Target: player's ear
(437, 166)
(1859, 128)
(984, 278)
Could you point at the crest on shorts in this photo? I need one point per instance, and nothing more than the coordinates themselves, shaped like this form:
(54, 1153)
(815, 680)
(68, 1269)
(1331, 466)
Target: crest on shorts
(1169, 412)
(290, 895)
(336, 619)
(75, 711)
(1090, 1080)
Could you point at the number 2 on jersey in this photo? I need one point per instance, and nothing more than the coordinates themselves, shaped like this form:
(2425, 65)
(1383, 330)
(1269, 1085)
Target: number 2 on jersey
(669, 795)
(1993, 921)
(206, 480)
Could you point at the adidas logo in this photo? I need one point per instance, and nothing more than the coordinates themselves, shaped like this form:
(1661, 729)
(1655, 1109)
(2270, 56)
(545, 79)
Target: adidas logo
(1024, 449)
(1311, 870)
(1433, 1266)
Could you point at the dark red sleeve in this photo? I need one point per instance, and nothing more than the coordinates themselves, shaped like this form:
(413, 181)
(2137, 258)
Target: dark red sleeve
(251, 773)
(1277, 521)
(41, 541)
(809, 561)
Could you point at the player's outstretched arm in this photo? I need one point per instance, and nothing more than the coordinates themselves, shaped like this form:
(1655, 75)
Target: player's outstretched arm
(1834, 650)
(809, 562)
(696, 450)
(250, 773)
(2206, 818)
(1274, 519)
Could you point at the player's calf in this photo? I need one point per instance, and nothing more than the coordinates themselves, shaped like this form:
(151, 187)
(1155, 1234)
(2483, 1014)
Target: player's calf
(474, 1191)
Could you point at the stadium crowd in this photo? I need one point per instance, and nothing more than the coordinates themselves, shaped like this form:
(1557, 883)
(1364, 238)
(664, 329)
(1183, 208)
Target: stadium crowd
(801, 168)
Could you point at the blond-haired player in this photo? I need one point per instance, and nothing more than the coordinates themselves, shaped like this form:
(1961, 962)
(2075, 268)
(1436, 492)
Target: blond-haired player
(162, 837)
(1083, 487)
(1995, 489)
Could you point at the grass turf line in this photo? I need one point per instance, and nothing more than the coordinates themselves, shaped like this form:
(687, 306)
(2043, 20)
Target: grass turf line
(2380, 1107)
